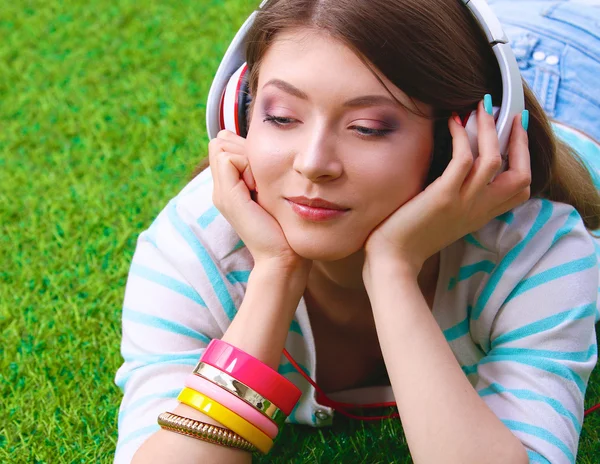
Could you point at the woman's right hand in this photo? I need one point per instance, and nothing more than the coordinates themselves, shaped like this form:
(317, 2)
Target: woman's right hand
(233, 184)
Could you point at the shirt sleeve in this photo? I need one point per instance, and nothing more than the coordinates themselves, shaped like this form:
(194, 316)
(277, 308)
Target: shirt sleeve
(166, 325)
(542, 345)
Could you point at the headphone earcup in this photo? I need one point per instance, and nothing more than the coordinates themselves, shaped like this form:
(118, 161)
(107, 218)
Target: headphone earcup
(244, 100)
(442, 143)
(470, 125)
(235, 101)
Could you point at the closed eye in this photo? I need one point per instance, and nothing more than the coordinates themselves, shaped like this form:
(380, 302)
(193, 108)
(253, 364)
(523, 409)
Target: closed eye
(361, 131)
(278, 121)
(370, 132)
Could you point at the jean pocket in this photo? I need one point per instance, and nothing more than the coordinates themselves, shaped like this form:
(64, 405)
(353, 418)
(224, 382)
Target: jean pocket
(582, 21)
(539, 59)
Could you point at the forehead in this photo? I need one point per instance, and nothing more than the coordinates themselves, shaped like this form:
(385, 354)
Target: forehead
(314, 60)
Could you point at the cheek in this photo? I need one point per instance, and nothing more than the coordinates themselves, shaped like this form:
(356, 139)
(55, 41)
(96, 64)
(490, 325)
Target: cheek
(260, 158)
(386, 190)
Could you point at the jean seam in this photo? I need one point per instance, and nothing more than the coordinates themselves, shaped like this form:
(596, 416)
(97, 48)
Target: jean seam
(557, 37)
(546, 87)
(549, 14)
(573, 91)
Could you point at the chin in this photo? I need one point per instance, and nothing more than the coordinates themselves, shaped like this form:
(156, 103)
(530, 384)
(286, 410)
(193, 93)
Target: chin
(318, 247)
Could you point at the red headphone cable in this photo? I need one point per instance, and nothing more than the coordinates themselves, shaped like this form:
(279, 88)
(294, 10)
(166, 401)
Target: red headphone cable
(339, 407)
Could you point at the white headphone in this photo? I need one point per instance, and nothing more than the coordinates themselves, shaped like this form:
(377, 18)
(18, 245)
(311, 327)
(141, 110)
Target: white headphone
(228, 98)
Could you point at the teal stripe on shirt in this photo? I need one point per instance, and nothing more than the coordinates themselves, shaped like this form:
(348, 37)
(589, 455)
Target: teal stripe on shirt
(470, 270)
(208, 217)
(543, 364)
(158, 358)
(238, 276)
(238, 245)
(542, 218)
(576, 356)
(540, 433)
(145, 399)
(122, 381)
(556, 272)
(150, 233)
(149, 430)
(457, 331)
(461, 329)
(212, 272)
(288, 368)
(468, 370)
(295, 327)
(469, 238)
(507, 217)
(573, 219)
(547, 323)
(162, 324)
(536, 457)
(292, 417)
(167, 282)
(496, 388)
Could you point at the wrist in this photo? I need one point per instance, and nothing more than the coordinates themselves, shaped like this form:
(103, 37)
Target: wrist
(261, 324)
(293, 273)
(400, 268)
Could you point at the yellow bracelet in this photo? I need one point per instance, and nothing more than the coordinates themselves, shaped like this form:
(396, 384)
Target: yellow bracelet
(228, 418)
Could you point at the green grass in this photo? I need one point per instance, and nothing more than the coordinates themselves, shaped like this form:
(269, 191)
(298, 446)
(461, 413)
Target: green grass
(102, 120)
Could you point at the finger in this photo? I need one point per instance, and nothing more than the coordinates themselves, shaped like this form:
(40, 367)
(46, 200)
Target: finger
(231, 137)
(229, 147)
(248, 176)
(518, 148)
(234, 199)
(217, 147)
(489, 160)
(518, 175)
(213, 160)
(462, 158)
(516, 200)
(235, 176)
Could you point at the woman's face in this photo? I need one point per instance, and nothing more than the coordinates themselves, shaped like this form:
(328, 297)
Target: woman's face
(323, 126)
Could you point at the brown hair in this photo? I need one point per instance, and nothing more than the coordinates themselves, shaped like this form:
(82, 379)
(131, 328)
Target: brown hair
(434, 51)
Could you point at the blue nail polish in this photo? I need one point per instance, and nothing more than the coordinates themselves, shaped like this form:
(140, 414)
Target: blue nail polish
(525, 119)
(487, 103)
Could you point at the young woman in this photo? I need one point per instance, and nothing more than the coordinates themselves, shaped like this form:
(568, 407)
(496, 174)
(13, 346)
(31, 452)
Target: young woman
(353, 227)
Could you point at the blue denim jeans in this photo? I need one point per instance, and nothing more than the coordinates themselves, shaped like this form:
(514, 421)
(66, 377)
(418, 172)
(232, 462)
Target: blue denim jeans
(557, 45)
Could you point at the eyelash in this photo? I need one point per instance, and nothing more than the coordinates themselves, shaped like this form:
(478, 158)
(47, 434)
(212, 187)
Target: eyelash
(373, 133)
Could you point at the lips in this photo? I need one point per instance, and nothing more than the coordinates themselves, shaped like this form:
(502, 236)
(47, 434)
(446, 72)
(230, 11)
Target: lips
(317, 203)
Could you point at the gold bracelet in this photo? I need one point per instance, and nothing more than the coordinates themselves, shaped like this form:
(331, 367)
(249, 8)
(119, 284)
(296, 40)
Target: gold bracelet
(226, 417)
(242, 391)
(203, 431)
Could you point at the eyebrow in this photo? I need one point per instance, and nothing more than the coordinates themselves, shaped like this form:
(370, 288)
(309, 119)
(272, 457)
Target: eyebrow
(358, 102)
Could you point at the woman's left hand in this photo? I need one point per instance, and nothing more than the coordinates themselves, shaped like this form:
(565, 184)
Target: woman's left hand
(462, 200)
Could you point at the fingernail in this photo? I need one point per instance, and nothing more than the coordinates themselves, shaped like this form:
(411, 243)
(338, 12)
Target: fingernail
(456, 117)
(487, 103)
(525, 119)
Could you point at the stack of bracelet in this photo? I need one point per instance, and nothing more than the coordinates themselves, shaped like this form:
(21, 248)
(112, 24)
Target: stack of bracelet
(237, 390)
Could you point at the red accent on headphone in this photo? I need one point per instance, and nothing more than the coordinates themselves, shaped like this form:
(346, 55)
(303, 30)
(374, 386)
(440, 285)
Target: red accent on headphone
(222, 109)
(466, 118)
(337, 406)
(237, 101)
(324, 400)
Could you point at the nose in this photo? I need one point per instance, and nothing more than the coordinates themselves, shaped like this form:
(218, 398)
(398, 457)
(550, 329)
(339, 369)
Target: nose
(317, 159)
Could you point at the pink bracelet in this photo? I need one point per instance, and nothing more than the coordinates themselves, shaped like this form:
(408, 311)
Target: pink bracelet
(233, 403)
(253, 373)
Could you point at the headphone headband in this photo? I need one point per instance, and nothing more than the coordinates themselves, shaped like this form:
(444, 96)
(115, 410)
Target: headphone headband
(234, 58)
(513, 100)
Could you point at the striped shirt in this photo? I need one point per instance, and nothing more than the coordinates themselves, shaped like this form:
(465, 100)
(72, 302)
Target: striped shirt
(516, 300)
